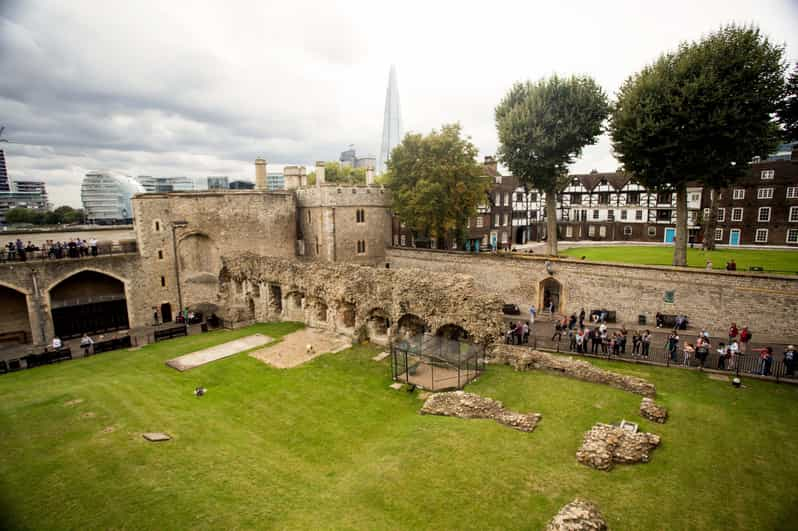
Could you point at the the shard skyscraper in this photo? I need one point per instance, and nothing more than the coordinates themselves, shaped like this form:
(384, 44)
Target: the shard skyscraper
(391, 122)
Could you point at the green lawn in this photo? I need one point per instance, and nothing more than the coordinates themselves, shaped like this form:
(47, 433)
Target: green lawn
(328, 445)
(770, 260)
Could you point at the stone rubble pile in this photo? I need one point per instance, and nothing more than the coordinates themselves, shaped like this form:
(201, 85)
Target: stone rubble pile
(653, 411)
(579, 515)
(605, 444)
(471, 406)
(523, 359)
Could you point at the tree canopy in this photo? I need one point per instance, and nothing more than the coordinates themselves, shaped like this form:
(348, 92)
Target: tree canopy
(699, 114)
(543, 127)
(335, 172)
(436, 182)
(788, 108)
(61, 215)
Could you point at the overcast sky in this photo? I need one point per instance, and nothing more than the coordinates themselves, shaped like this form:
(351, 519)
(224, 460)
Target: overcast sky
(203, 88)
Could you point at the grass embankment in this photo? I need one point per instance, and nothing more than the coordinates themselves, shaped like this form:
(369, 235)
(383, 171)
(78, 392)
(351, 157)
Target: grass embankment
(328, 445)
(770, 260)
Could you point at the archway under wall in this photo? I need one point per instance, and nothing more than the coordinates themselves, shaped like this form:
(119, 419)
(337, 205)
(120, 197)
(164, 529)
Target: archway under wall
(15, 326)
(550, 295)
(88, 302)
(453, 332)
(410, 325)
(377, 324)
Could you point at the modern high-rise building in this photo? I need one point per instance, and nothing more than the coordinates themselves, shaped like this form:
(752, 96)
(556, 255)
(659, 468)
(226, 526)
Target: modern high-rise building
(349, 158)
(218, 183)
(391, 122)
(165, 184)
(106, 197)
(242, 185)
(4, 185)
(32, 187)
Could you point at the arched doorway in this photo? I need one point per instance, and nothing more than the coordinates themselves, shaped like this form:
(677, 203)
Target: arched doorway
(166, 313)
(410, 325)
(550, 295)
(88, 302)
(453, 332)
(519, 235)
(377, 324)
(15, 324)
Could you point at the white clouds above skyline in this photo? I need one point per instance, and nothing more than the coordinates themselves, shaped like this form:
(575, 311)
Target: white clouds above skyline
(197, 89)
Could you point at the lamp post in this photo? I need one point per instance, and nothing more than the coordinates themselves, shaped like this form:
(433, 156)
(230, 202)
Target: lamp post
(178, 225)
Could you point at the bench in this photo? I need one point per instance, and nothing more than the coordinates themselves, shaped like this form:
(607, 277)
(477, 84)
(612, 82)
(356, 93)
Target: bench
(48, 356)
(169, 333)
(669, 321)
(111, 344)
(17, 336)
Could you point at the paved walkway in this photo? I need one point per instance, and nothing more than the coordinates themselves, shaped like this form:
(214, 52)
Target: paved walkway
(201, 357)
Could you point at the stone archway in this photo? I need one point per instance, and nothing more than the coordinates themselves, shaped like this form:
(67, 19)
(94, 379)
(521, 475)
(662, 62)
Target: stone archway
(293, 307)
(15, 326)
(377, 324)
(410, 325)
(88, 302)
(550, 291)
(345, 316)
(452, 331)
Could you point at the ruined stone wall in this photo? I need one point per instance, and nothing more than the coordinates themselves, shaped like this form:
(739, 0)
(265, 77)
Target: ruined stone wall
(710, 299)
(217, 224)
(355, 300)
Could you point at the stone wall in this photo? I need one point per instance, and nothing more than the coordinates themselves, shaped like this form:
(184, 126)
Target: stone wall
(355, 300)
(216, 225)
(708, 298)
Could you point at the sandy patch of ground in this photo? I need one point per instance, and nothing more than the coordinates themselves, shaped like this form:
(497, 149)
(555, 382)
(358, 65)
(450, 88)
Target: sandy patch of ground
(292, 350)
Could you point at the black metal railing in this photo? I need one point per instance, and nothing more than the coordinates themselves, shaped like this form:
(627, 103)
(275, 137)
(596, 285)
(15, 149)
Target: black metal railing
(66, 252)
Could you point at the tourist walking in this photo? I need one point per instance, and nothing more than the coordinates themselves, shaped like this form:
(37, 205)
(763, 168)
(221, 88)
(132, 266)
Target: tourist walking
(789, 360)
(86, 343)
(672, 345)
(722, 355)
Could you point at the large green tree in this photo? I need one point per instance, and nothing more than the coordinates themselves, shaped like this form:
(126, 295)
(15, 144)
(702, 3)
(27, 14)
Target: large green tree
(543, 127)
(700, 114)
(788, 108)
(436, 182)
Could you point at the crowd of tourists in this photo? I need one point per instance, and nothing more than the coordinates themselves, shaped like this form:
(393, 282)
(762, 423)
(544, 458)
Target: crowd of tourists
(74, 248)
(596, 338)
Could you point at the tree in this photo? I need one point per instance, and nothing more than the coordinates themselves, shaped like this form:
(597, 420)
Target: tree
(543, 128)
(436, 182)
(699, 114)
(788, 108)
(336, 173)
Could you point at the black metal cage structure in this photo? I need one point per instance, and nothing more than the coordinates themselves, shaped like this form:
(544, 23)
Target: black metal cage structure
(436, 363)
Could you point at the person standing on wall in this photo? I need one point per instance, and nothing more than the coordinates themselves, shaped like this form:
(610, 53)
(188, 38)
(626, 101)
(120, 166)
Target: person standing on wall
(745, 338)
(789, 360)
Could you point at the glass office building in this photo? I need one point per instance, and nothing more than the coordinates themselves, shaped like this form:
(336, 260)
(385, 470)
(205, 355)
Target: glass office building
(106, 197)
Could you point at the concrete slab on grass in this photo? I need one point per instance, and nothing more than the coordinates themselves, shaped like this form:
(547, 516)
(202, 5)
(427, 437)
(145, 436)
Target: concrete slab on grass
(201, 357)
(381, 356)
(719, 377)
(156, 436)
(396, 386)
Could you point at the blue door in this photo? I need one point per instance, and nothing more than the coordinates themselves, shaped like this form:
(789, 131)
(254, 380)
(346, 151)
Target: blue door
(670, 235)
(734, 237)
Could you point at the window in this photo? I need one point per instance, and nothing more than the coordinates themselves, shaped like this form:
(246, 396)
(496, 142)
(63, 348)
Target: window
(737, 214)
(157, 226)
(360, 215)
(604, 198)
(163, 282)
(718, 235)
(792, 236)
(632, 198)
(764, 214)
(663, 215)
(768, 175)
(504, 237)
(480, 222)
(761, 236)
(595, 214)
(602, 231)
(160, 255)
(318, 247)
(506, 198)
(610, 215)
(533, 214)
(533, 197)
(652, 231)
(721, 214)
(627, 230)
(576, 199)
(361, 247)
(519, 196)
(639, 215)
(506, 220)
(664, 198)
(695, 197)
(792, 192)
(569, 231)
(624, 214)
(403, 240)
(764, 193)
(308, 217)
(738, 193)
(468, 223)
(793, 216)
(496, 220)
(591, 230)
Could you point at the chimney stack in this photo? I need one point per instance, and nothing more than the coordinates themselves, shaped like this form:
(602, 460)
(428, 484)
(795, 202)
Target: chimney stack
(303, 177)
(291, 174)
(319, 173)
(260, 174)
(369, 176)
(490, 165)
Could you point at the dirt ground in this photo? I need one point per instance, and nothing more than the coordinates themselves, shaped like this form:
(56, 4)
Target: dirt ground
(292, 350)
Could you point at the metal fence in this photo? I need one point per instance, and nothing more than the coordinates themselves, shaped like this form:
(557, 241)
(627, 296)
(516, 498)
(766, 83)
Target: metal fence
(748, 363)
(66, 252)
